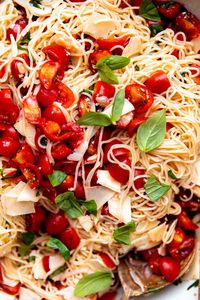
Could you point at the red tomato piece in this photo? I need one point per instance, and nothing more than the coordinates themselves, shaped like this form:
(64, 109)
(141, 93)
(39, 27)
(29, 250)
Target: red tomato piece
(24, 155)
(111, 42)
(175, 53)
(154, 264)
(2, 70)
(189, 24)
(17, 67)
(83, 104)
(197, 77)
(169, 9)
(48, 190)
(149, 254)
(45, 263)
(158, 82)
(94, 179)
(56, 223)
(117, 172)
(107, 260)
(70, 238)
(170, 268)
(67, 166)
(31, 109)
(185, 222)
(108, 296)
(35, 221)
(46, 97)
(54, 113)
(140, 96)
(8, 147)
(125, 120)
(32, 174)
(60, 151)
(67, 183)
(139, 182)
(103, 93)
(183, 250)
(17, 28)
(79, 190)
(65, 95)
(105, 210)
(44, 164)
(117, 152)
(9, 112)
(95, 56)
(48, 74)
(52, 131)
(8, 131)
(134, 124)
(178, 239)
(75, 132)
(11, 290)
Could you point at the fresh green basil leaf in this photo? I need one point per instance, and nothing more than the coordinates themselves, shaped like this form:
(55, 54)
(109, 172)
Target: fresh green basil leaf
(171, 174)
(149, 11)
(90, 206)
(118, 106)
(27, 238)
(26, 39)
(57, 177)
(58, 271)
(94, 119)
(93, 283)
(69, 204)
(24, 249)
(154, 189)
(36, 3)
(194, 284)
(107, 75)
(58, 245)
(156, 28)
(114, 62)
(31, 258)
(151, 133)
(122, 234)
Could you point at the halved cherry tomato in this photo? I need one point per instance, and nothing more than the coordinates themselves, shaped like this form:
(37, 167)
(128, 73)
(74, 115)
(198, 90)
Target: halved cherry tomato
(67, 166)
(185, 222)
(32, 174)
(31, 109)
(175, 52)
(35, 221)
(8, 131)
(45, 263)
(65, 95)
(183, 250)
(67, 183)
(17, 67)
(158, 82)
(108, 296)
(131, 2)
(103, 93)
(11, 290)
(52, 131)
(117, 172)
(95, 56)
(111, 42)
(196, 78)
(60, 151)
(17, 28)
(107, 260)
(75, 132)
(94, 179)
(79, 190)
(44, 164)
(154, 264)
(8, 147)
(178, 239)
(170, 268)
(48, 74)
(54, 113)
(9, 112)
(117, 152)
(56, 223)
(149, 254)
(48, 190)
(169, 9)
(189, 24)
(46, 97)
(134, 124)
(139, 182)
(125, 120)
(2, 70)
(24, 155)
(83, 104)
(93, 145)
(70, 238)
(140, 96)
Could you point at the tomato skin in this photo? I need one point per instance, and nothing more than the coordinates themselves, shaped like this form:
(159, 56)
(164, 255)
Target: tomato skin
(67, 166)
(105, 210)
(65, 95)
(179, 237)
(108, 296)
(61, 151)
(83, 104)
(185, 222)
(125, 120)
(94, 178)
(35, 221)
(9, 112)
(95, 56)
(2, 70)
(45, 263)
(169, 11)
(25, 154)
(46, 97)
(183, 250)
(196, 78)
(70, 238)
(48, 190)
(117, 152)
(79, 190)
(67, 183)
(140, 96)
(119, 174)
(103, 92)
(149, 254)
(48, 74)
(15, 66)
(53, 113)
(134, 124)
(31, 109)
(170, 268)
(44, 164)
(52, 130)
(18, 26)
(189, 24)
(158, 82)
(154, 264)
(139, 182)
(8, 131)
(32, 174)
(11, 290)
(108, 44)
(107, 260)
(56, 223)
(75, 132)
(8, 147)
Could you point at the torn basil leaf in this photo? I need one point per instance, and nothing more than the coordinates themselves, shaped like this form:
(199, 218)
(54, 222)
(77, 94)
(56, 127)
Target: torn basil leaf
(154, 189)
(57, 177)
(58, 245)
(122, 234)
(69, 204)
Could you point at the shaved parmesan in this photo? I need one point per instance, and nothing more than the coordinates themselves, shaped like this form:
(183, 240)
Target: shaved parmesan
(105, 179)
(27, 130)
(120, 210)
(13, 208)
(86, 222)
(38, 269)
(26, 294)
(68, 294)
(100, 194)
(5, 296)
(126, 210)
(28, 194)
(16, 190)
(142, 243)
(128, 107)
(79, 152)
(55, 262)
(196, 177)
(133, 47)
(156, 233)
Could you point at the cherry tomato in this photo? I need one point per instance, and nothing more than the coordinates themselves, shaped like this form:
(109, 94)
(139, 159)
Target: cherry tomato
(158, 82)
(25, 154)
(35, 221)
(185, 222)
(197, 77)
(178, 239)
(111, 42)
(139, 182)
(9, 112)
(103, 93)
(8, 147)
(17, 67)
(117, 172)
(8, 131)
(60, 151)
(105, 210)
(70, 238)
(32, 174)
(189, 24)
(46, 97)
(93, 145)
(107, 260)
(67, 183)
(48, 190)
(117, 152)
(65, 95)
(175, 52)
(169, 9)
(11, 290)
(170, 268)
(52, 131)
(79, 190)
(2, 70)
(125, 120)
(154, 264)
(183, 250)
(108, 296)
(45, 263)
(140, 96)
(17, 28)
(67, 166)
(31, 109)
(131, 2)
(150, 254)
(95, 56)
(48, 74)
(56, 223)
(83, 104)
(54, 113)
(94, 179)
(134, 124)
(44, 164)
(75, 132)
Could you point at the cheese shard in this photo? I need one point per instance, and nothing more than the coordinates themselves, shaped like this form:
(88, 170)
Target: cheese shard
(38, 269)
(86, 222)
(133, 47)
(128, 107)
(26, 294)
(55, 262)
(120, 209)
(13, 208)
(27, 194)
(44, 10)
(68, 294)
(27, 130)
(100, 194)
(5, 296)
(79, 152)
(105, 179)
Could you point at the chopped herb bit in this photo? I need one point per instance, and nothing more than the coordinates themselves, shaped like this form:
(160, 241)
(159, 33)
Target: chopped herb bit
(149, 11)
(183, 74)
(177, 282)
(27, 238)
(58, 271)
(137, 68)
(194, 284)
(57, 177)
(154, 189)
(26, 39)
(122, 234)
(38, 194)
(90, 206)
(156, 28)
(24, 249)
(69, 204)
(31, 258)
(36, 3)
(171, 174)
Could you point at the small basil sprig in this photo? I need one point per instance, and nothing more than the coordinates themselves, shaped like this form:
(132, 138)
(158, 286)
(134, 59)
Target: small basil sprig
(90, 206)
(156, 28)
(58, 245)
(149, 11)
(151, 133)
(99, 119)
(69, 204)
(171, 174)
(26, 39)
(154, 189)
(27, 238)
(57, 177)
(93, 283)
(122, 234)
(106, 64)
(36, 3)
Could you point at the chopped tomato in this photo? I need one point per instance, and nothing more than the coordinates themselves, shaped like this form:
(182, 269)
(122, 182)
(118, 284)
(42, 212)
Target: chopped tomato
(8, 131)
(8, 147)
(56, 223)
(48, 190)
(17, 28)
(154, 264)
(169, 9)
(67, 166)
(107, 260)
(60, 151)
(31, 109)
(170, 268)
(45, 263)
(46, 97)
(103, 93)
(2, 70)
(35, 221)
(70, 238)
(17, 67)
(48, 74)
(96, 56)
(119, 151)
(112, 42)
(175, 52)
(94, 178)
(108, 296)
(197, 77)
(185, 222)
(65, 95)
(54, 113)
(9, 112)
(134, 124)
(139, 182)
(189, 24)
(67, 183)
(179, 237)
(83, 104)
(117, 172)
(93, 145)
(105, 210)
(44, 164)
(140, 96)
(32, 174)
(158, 82)
(52, 131)
(79, 190)
(125, 120)
(183, 250)
(75, 132)
(24, 155)
(149, 254)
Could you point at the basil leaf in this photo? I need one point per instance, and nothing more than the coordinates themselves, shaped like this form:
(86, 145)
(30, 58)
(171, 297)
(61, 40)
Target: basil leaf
(27, 238)
(107, 75)
(93, 283)
(154, 189)
(114, 62)
(26, 39)
(24, 249)
(194, 284)
(68, 202)
(58, 245)
(151, 133)
(118, 106)
(90, 206)
(94, 119)
(57, 271)
(122, 233)
(156, 28)
(36, 3)
(31, 258)
(57, 177)
(149, 11)
(171, 174)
